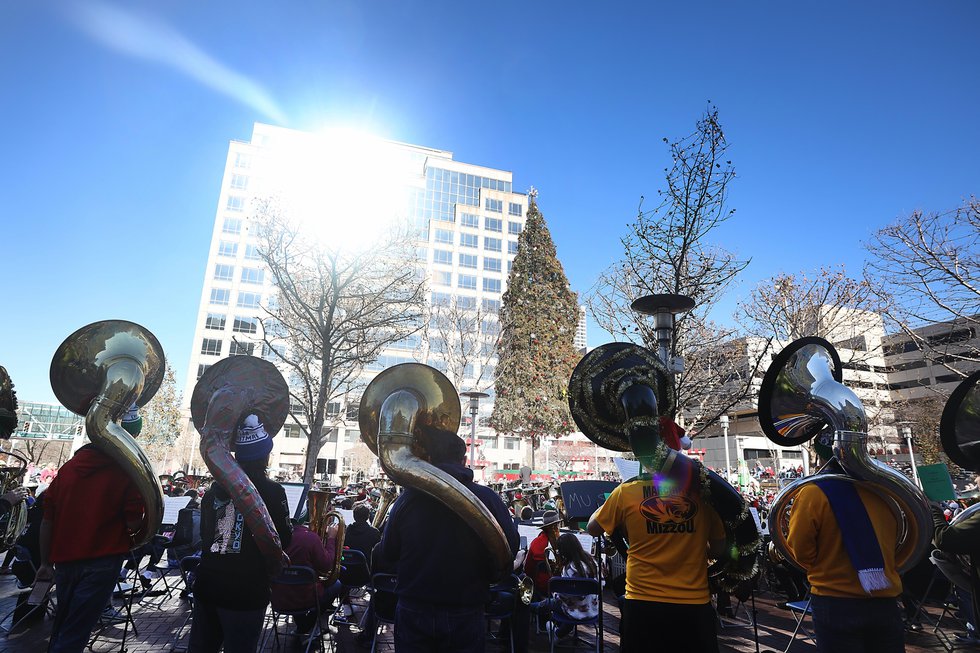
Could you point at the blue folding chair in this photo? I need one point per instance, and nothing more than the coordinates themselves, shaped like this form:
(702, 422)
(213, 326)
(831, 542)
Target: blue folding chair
(383, 603)
(297, 578)
(800, 610)
(573, 587)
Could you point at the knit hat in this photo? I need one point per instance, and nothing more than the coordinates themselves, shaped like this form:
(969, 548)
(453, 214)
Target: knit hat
(253, 441)
(131, 421)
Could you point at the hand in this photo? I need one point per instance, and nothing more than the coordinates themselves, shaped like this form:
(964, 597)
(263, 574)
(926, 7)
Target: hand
(15, 496)
(44, 573)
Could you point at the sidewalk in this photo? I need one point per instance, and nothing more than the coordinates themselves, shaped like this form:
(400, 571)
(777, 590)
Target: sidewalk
(157, 629)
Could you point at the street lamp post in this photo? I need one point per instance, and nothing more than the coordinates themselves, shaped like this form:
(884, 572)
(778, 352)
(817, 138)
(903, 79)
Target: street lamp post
(474, 398)
(907, 432)
(723, 420)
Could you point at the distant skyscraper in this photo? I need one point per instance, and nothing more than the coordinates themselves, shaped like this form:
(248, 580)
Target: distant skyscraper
(468, 216)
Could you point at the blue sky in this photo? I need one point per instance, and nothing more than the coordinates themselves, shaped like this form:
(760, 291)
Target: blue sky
(841, 116)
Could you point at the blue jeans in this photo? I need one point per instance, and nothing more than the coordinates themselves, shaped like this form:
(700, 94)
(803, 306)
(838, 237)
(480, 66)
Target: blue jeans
(872, 625)
(83, 588)
(424, 628)
(211, 626)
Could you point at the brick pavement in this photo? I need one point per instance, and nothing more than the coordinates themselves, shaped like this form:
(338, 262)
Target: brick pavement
(157, 629)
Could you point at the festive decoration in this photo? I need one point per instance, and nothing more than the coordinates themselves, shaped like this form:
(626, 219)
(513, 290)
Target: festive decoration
(538, 318)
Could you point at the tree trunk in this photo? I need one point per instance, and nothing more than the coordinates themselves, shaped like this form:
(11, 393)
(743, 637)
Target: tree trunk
(313, 445)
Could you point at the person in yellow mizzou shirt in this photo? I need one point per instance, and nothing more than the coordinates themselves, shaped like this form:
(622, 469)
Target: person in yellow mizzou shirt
(671, 532)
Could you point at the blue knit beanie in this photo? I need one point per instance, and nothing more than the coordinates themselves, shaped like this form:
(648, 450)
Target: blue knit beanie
(252, 442)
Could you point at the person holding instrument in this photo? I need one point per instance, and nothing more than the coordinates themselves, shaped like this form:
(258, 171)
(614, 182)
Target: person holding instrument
(536, 565)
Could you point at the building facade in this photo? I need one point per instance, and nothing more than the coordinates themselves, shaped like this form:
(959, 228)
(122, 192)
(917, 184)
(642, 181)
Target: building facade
(468, 218)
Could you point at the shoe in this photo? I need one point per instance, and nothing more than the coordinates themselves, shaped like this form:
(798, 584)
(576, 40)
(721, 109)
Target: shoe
(913, 627)
(783, 605)
(967, 638)
(145, 580)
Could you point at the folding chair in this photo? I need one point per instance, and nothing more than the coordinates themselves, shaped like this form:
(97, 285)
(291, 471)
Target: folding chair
(158, 574)
(383, 603)
(354, 574)
(187, 567)
(501, 608)
(297, 579)
(577, 587)
(800, 609)
(24, 571)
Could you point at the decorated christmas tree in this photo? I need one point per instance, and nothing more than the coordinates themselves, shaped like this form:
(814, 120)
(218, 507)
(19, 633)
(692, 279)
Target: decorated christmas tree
(536, 354)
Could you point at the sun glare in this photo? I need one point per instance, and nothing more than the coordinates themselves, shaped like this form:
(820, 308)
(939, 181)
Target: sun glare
(346, 187)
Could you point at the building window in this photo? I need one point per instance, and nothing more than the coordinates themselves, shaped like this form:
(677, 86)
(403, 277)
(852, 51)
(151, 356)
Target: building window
(467, 261)
(515, 228)
(444, 236)
(491, 264)
(469, 220)
(215, 322)
(491, 285)
(467, 282)
(469, 240)
(220, 296)
(232, 226)
(274, 353)
(226, 248)
(211, 347)
(442, 256)
(514, 208)
(223, 272)
(201, 369)
(243, 161)
(239, 182)
(512, 247)
(466, 303)
(292, 431)
(253, 275)
(442, 278)
(249, 300)
(493, 224)
(245, 324)
(510, 266)
(491, 305)
(241, 348)
(441, 299)
(491, 244)
(497, 206)
(252, 253)
(235, 203)
(511, 443)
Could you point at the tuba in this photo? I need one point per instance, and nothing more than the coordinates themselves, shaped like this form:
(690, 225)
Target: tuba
(388, 494)
(227, 393)
(617, 393)
(99, 372)
(802, 396)
(329, 525)
(394, 403)
(959, 433)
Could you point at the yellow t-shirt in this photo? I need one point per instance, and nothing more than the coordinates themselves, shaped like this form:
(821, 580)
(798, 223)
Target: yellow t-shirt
(668, 534)
(815, 542)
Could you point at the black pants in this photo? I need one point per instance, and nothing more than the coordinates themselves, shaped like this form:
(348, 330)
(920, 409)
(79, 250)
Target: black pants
(651, 627)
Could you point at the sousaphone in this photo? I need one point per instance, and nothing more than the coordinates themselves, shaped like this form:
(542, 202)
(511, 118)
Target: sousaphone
(394, 405)
(802, 397)
(99, 372)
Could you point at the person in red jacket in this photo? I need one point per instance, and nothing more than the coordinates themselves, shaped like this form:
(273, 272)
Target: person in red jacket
(91, 511)
(307, 550)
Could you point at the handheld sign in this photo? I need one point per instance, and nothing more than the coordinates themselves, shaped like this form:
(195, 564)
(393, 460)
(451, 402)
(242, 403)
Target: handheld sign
(582, 498)
(936, 482)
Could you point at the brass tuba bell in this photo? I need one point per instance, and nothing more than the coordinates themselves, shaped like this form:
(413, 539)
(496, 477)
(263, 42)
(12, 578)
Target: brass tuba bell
(329, 525)
(227, 393)
(394, 403)
(99, 372)
(802, 396)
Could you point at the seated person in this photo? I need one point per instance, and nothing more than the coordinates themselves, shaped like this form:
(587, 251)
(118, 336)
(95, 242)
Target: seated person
(536, 564)
(577, 564)
(362, 536)
(187, 536)
(306, 550)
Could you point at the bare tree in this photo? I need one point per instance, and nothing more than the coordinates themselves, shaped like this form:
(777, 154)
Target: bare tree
(667, 251)
(360, 460)
(163, 423)
(461, 339)
(827, 303)
(922, 416)
(926, 269)
(336, 310)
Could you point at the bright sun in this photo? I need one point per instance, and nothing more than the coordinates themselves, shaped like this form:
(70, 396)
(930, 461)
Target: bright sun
(346, 186)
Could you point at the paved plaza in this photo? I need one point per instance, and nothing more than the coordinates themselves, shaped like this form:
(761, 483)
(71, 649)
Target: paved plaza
(158, 621)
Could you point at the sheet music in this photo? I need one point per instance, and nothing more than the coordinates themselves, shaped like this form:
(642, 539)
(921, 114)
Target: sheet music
(627, 468)
(172, 506)
(295, 495)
